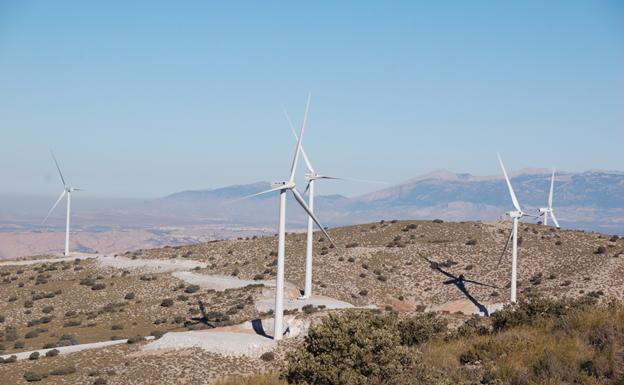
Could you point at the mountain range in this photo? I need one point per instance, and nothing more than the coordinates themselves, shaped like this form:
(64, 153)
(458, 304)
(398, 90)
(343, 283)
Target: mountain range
(591, 200)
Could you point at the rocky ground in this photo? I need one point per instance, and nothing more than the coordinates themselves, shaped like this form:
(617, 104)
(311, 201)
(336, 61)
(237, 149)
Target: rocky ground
(404, 265)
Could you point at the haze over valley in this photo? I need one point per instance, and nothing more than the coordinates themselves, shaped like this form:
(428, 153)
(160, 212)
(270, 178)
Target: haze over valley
(590, 200)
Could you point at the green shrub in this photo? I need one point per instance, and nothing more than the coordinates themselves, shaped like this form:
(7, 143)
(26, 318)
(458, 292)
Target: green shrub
(268, 356)
(420, 328)
(135, 339)
(190, 289)
(33, 377)
(355, 348)
(63, 371)
(98, 286)
(532, 308)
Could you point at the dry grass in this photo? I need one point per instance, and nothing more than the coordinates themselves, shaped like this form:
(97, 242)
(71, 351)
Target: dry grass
(256, 379)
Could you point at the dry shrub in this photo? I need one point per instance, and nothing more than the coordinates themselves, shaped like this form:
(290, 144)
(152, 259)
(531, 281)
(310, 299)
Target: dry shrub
(257, 379)
(544, 342)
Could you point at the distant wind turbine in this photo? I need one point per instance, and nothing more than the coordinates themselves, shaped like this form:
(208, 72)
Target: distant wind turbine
(311, 177)
(513, 235)
(283, 187)
(545, 211)
(67, 190)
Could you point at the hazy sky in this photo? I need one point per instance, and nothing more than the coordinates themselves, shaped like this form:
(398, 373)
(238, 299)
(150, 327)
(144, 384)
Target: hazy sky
(144, 98)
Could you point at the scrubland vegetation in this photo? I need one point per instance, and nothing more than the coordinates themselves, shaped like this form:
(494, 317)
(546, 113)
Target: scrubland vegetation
(538, 341)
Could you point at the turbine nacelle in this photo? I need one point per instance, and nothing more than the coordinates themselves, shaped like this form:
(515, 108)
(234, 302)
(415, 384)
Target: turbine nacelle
(543, 210)
(283, 185)
(516, 214)
(312, 176)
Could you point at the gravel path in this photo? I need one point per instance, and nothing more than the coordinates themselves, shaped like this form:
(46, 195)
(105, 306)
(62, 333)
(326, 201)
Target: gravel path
(222, 282)
(265, 305)
(36, 261)
(150, 265)
(71, 348)
(227, 343)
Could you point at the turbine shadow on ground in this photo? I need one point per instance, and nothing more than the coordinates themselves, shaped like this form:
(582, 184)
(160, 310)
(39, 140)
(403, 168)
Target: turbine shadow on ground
(460, 281)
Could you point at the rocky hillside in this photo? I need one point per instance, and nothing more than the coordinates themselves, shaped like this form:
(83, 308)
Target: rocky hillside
(408, 266)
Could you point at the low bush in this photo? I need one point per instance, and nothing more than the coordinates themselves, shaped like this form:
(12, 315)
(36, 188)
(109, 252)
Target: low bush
(63, 371)
(268, 356)
(190, 289)
(167, 302)
(33, 377)
(98, 286)
(135, 339)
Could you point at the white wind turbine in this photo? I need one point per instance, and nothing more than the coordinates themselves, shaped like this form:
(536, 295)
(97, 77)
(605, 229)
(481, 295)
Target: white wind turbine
(311, 177)
(67, 190)
(545, 211)
(515, 215)
(283, 188)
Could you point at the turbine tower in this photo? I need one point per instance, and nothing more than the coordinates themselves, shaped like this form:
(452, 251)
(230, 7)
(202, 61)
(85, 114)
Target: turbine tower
(311, 177)
(67, 190)
(283, 188)
(513, 235)
(545, 211)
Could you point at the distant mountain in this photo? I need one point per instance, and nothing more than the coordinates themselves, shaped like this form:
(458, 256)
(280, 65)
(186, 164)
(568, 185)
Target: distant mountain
(591, 200)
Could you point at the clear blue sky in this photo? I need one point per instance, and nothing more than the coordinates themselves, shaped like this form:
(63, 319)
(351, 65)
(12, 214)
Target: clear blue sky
(143, 98)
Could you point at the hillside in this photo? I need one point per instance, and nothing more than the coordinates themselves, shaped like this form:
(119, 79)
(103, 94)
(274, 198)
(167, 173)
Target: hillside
(409, 266)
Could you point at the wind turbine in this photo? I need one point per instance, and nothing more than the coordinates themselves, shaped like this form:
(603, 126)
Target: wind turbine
(67, 190)
(545, 211)
(283, 188)
(311, 177)
(513, 235)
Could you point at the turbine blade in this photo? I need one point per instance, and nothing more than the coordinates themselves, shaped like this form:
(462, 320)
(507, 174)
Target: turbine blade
(307, 188)
(552, 215)
(54, 206)
(301, 202)
(552, 187)
(500, 259)
(511, 190)
(293, 167)
(255, 195)
(59, 169)
(292, 129)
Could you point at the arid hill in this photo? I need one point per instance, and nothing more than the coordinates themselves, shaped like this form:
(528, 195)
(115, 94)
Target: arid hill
(407, 266)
